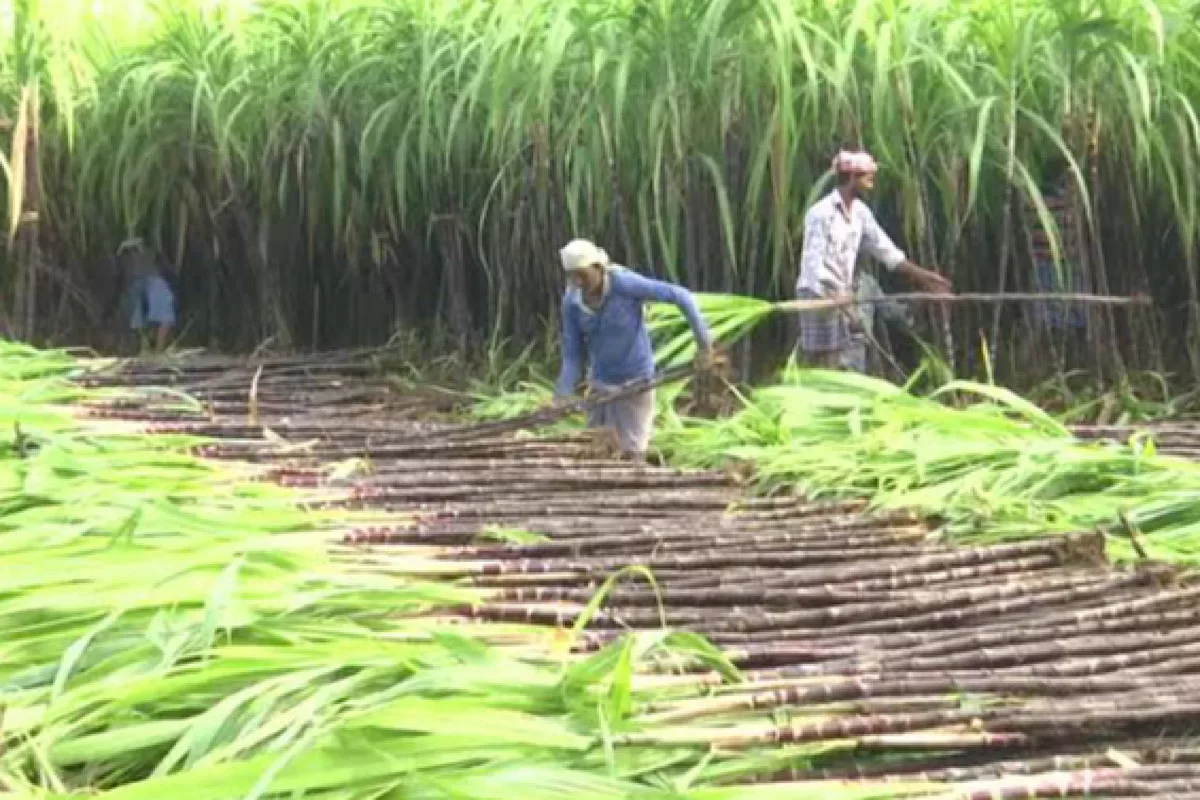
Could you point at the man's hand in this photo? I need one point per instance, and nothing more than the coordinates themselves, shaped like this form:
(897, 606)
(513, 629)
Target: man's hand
(933, 282)
(926, 279)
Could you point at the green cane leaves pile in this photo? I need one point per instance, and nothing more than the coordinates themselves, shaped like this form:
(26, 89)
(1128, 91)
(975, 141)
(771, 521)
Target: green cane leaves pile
(993, 466)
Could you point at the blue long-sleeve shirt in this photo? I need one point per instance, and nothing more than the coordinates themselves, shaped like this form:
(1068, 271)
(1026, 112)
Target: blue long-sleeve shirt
(615, 334)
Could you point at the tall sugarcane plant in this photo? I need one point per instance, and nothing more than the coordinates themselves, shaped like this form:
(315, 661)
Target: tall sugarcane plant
(416, 162)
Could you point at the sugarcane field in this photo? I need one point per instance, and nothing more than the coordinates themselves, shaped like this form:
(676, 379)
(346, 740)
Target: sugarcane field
(566, 399)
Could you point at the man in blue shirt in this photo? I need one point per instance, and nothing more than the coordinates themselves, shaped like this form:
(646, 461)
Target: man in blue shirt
(602, 310)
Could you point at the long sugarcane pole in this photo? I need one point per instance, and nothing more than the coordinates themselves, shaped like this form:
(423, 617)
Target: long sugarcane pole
(549, 416)
(965, 297)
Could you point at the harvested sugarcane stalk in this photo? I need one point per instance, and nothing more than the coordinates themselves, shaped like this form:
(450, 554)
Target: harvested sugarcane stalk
(974, 297)
(829, 616)
(1000, 657)
(820, 597)
(887, 582)
(649, 547)
(905, 651)
(834, 729)
(957, 768)
(549, 416)
(1160, 622)
(918, 578)
(841, 691)
(1090, 783)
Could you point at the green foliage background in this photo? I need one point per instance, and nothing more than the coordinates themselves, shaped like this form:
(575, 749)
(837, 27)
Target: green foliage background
(330, 171)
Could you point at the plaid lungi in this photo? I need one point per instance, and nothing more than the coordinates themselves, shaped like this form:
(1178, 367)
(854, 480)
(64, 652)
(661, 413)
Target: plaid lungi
(827, 330)
(835, 332)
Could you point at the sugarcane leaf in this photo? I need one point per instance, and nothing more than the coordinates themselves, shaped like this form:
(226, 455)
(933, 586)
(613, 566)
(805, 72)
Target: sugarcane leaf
(1008, 399)
(294, 749)
(708, 654)
(124, 533)
(620, 680)
(602, 593)
(73, 655)
(464, 648)
(454, 718)
(685, 781)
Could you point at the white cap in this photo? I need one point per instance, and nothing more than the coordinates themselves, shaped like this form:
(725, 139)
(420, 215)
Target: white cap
(580, 254)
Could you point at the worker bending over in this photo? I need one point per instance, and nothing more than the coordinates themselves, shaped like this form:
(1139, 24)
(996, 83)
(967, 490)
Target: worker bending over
(834, 230)
(602, 311)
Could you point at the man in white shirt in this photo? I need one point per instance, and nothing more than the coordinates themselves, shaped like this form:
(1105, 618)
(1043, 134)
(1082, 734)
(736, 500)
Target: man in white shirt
(834, 230)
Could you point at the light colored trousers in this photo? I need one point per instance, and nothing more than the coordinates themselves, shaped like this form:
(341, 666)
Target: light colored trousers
(632, 418)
